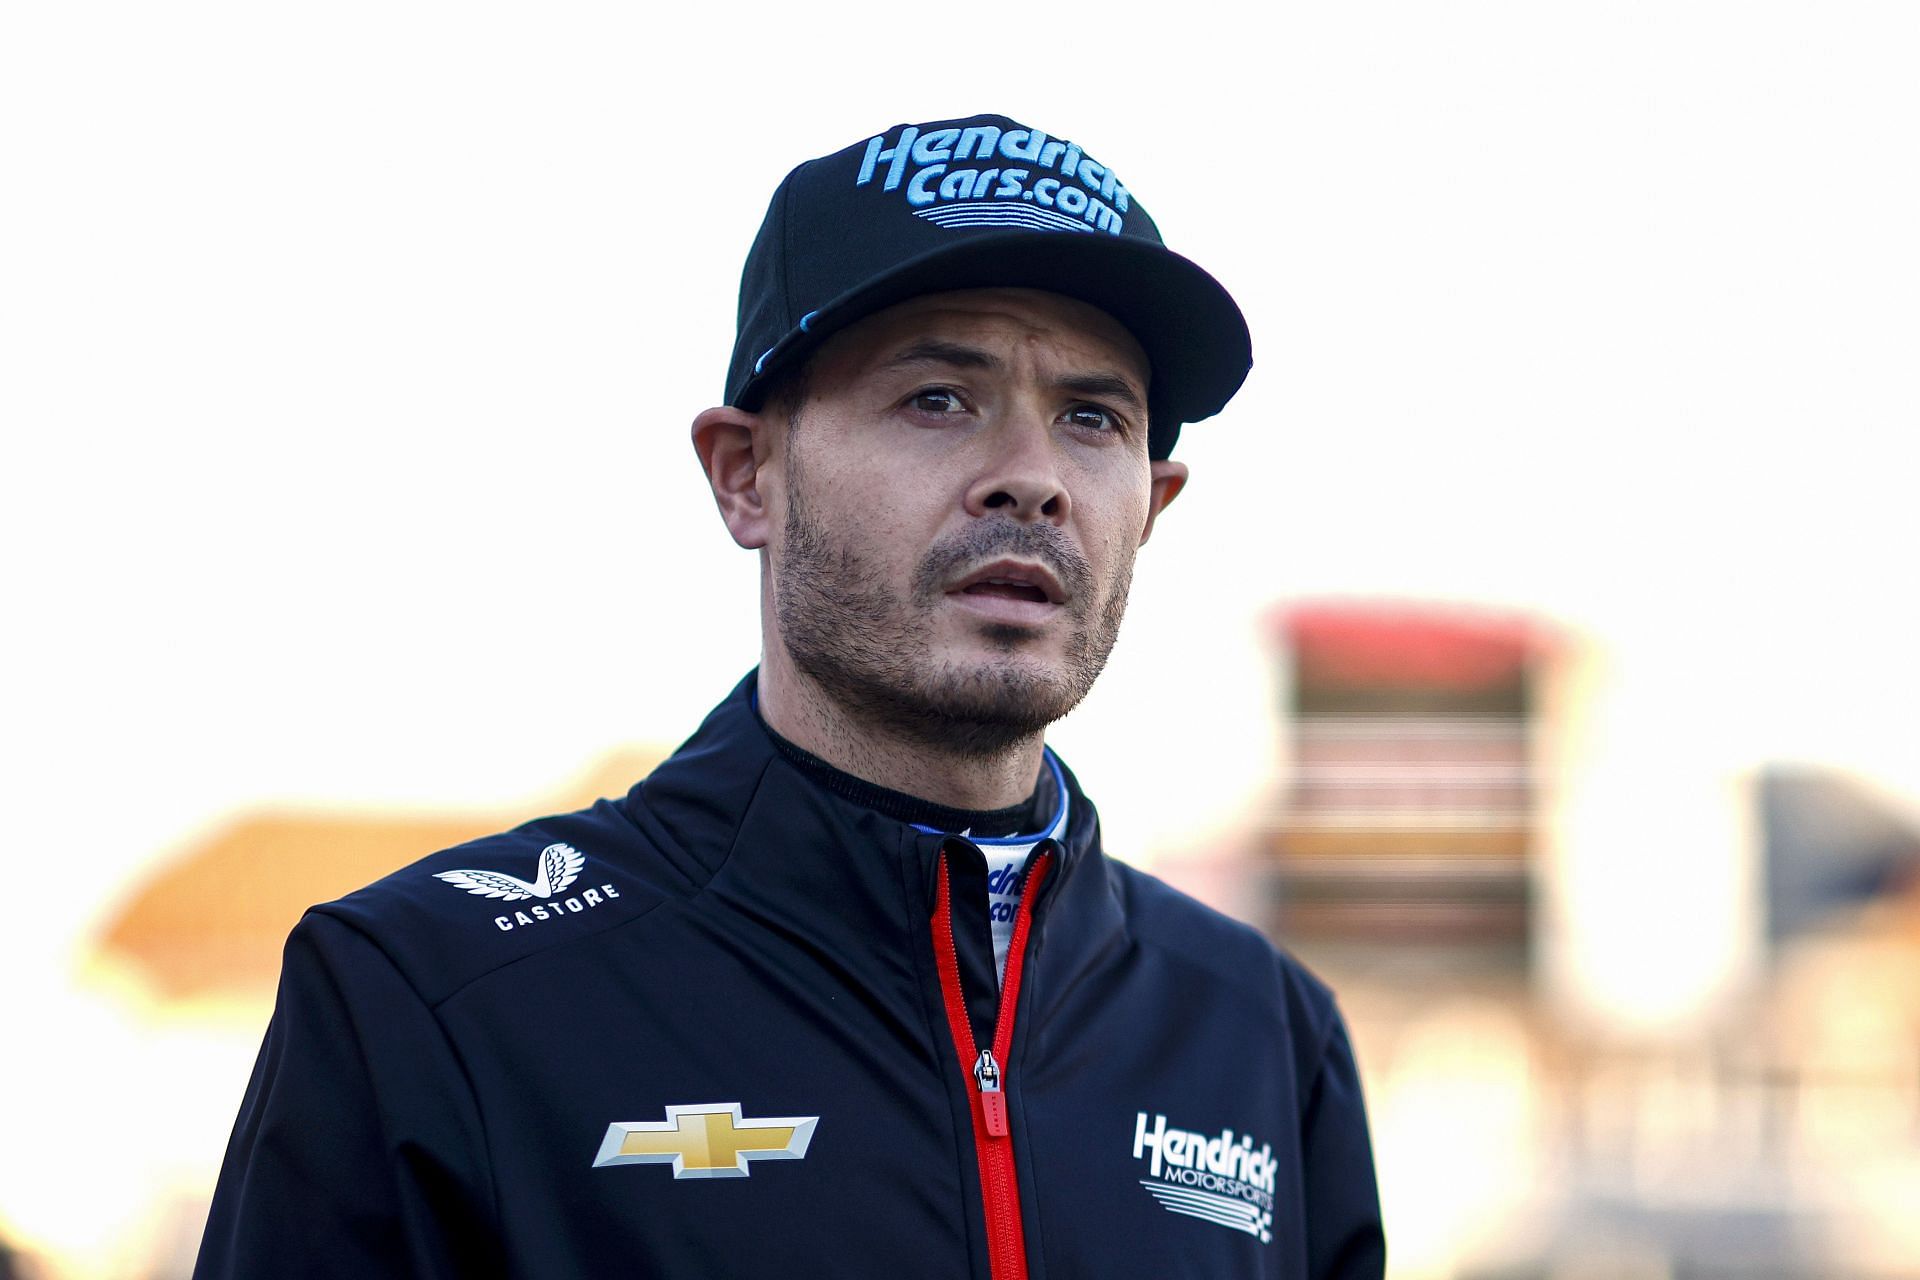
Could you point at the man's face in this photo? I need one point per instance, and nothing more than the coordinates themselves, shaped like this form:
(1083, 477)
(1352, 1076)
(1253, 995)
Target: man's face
(965, 486)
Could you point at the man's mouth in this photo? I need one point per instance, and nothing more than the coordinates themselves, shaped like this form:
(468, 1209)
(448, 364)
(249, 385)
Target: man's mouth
(1011, 579)
(1007, 589)
(1011, 592)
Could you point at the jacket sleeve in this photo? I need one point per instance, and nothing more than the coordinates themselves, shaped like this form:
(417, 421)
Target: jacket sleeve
(358, 1151)
(1345, 1240)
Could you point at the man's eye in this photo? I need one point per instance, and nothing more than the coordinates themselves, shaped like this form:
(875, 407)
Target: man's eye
(937, 400)
(1093, 418)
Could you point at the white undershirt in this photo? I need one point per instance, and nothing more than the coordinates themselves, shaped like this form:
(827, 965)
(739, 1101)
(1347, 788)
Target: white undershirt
(1005, 856)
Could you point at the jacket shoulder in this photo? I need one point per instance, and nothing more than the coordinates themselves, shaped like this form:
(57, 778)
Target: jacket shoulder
(462, 912)
(1233, 953)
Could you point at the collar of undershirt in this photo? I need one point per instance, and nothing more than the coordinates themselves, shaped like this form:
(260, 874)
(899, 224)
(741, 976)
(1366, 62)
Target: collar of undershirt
(1039, 813)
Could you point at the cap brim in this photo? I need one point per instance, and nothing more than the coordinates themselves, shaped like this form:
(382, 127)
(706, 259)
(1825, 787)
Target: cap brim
(1195, 338)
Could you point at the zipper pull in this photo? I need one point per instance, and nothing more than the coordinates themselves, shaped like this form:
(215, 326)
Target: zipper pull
(987, 1073)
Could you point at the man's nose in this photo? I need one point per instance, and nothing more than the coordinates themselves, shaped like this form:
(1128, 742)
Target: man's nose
(1020, 475)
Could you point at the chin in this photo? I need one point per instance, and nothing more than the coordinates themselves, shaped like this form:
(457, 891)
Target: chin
(977, 704)
(1021, 693)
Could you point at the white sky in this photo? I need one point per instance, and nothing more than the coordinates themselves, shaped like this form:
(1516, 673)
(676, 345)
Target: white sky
(347, 354)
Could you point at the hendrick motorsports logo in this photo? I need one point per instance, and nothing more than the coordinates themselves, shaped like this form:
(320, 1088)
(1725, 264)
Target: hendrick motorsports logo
(1215, 1179)
(560, 865)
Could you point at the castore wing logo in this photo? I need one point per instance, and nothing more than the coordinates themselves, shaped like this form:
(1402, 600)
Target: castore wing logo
(560, 866)
(706, 1140)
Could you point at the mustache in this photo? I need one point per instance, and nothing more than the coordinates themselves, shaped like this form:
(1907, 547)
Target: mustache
(993, 539)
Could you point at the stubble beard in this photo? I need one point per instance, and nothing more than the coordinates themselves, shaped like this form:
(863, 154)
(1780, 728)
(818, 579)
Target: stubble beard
(871, 651)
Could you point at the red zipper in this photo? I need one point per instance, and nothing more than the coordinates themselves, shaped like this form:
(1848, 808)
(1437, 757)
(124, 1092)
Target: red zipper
(986, 1068)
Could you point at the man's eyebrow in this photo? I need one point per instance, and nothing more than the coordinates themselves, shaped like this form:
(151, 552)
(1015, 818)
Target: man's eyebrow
(1109, 386)
(936, 351)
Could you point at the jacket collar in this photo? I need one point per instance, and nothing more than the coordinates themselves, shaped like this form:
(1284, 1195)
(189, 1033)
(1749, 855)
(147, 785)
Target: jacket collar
(752, 834)
(729, 780)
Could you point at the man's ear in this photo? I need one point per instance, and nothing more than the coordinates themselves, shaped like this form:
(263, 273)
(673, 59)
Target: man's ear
(1169, 478)
(724, 437)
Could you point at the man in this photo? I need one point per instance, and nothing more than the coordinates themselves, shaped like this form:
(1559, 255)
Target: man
(847, 986)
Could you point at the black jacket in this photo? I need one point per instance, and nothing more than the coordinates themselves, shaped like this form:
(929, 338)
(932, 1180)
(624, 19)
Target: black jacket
(483, 1064)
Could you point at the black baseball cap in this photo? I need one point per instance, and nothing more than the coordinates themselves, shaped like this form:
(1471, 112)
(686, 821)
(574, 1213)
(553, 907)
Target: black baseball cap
(979, 203)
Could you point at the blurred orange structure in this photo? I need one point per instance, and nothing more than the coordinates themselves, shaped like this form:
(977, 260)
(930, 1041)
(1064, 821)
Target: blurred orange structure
(210, 923)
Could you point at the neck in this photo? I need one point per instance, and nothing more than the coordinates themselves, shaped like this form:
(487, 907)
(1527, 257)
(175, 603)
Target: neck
(803, 713)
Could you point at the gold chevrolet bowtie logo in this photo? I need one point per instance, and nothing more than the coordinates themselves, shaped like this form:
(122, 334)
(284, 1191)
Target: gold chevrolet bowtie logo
(706, 1140)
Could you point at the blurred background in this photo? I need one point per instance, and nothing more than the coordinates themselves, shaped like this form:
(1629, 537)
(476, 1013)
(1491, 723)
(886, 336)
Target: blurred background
(1533, 651)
